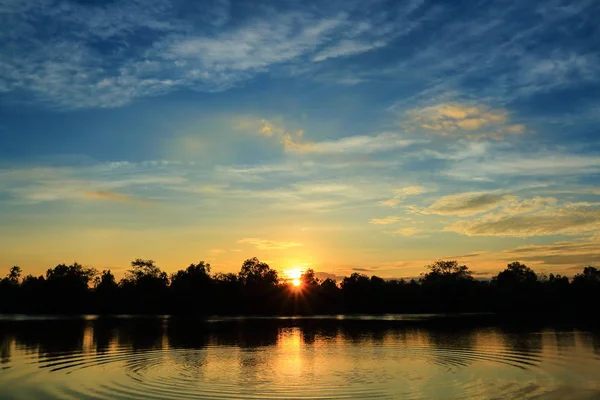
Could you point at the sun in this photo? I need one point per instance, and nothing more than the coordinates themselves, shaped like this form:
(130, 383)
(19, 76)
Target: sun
(293, 275)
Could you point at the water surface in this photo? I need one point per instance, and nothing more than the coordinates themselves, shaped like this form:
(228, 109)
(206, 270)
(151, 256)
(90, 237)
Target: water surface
(292, 358)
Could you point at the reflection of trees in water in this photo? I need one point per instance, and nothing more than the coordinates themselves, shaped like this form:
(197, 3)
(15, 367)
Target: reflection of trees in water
(103, 335)
(5, 348)
(139, 334)
(565, 341)
(47, 337)
(596, 342)
(450, 347)
(523, 342)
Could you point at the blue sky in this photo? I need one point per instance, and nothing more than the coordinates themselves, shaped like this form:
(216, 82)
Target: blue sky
(342, 136)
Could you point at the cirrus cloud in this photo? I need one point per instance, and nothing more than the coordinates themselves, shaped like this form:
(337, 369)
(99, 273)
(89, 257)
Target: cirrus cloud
(466, 204)
(571, 219)
(264, 244)
(461, 119)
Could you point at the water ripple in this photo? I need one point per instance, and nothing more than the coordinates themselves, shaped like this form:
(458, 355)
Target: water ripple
(295, 363)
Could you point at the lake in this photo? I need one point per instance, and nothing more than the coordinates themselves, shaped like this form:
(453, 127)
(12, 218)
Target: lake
(385, 357)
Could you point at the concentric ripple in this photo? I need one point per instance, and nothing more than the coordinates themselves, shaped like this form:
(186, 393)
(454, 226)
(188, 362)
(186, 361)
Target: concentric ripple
(292, 361)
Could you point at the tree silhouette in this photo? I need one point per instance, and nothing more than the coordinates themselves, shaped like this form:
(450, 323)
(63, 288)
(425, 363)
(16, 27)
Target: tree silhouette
(308, 279)
(69, 285)
(14, 275)
(445, 286)
(145, 286)
(443, 271)
(191, 288)
(105, 282)
(516, 274)
(586, 285)
(589, 276)
(145, 270)
(256, 272)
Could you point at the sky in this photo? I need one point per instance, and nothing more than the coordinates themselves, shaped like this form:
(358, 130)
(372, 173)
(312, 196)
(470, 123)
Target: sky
(344, 136)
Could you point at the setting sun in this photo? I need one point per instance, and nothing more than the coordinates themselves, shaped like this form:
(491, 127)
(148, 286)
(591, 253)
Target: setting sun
(293, 275)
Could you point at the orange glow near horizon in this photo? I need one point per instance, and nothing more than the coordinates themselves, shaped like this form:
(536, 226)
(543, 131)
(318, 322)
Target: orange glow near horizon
(293, 276)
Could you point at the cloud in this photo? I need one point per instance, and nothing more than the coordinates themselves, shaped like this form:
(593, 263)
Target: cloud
(386, 220)
(254, 45)
(327, 275)
(112, 196)
(295, 142)
(462, 120)
(564, 257)
(401, 194)
(216, 45)
(405, 231)
(208, 47)
(465, 204)
(382, 142)
(537, 164)
(502, 54)
(576, 253)
(97, 181)
(264, 244)
(347, 48)
(571, 219)
(518, 206)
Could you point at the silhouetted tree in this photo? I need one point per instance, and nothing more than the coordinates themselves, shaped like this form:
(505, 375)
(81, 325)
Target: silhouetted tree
(107, 293)
(260, 286)
(449, 286)
(308, 279)
(444, 271)
(145, 286)
(190, 288)
(146, 271)
(105, 282)
(356, 289)
(589, 276)
(14, 275)
(9, 290)
(586, 286)
(517, 289)
(256, 272)
(69, 285)
(446, 286)
(515, 274)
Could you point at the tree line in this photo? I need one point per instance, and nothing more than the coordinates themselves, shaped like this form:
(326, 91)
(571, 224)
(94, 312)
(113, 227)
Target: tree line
(445, 286)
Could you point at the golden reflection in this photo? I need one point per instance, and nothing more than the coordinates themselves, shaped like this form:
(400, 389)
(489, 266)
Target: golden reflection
(298, 358)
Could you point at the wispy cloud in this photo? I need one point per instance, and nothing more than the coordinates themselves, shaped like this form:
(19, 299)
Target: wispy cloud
(571, 219)
(113, 196)
(264, 244)
(576, 253)
(533, 164)
(564, 257)
(401, 194)
(100, 181)
(463, 120)
(386, 220)
(465, 204)
(182, 49)
(383, 142)
(347, 48)
(295, 141)
(408, 231)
